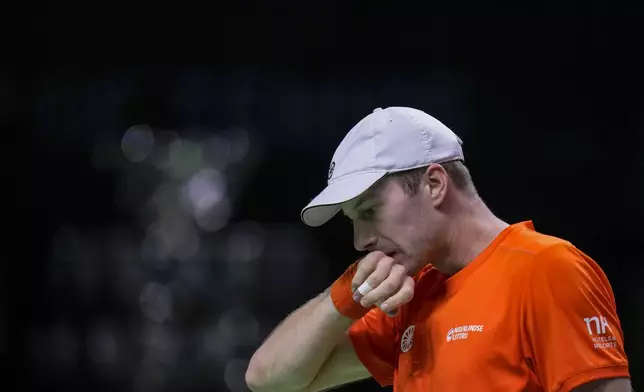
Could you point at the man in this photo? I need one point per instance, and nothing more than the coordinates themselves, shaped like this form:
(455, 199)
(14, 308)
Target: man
(449, 297)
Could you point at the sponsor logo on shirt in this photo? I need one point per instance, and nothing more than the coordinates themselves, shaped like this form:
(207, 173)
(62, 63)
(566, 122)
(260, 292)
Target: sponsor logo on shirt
(407, 339)
(600, 332)
(462, 332)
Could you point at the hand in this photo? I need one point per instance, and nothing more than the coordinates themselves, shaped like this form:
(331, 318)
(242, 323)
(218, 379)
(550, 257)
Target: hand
(381, 282)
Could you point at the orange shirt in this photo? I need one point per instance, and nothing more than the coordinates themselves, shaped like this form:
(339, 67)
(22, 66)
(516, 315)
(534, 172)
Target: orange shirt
(530, 313)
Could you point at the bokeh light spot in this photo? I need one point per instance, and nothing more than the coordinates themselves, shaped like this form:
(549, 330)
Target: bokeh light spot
(137, 143)
(246, 242)
(234, 375)
(156, 302)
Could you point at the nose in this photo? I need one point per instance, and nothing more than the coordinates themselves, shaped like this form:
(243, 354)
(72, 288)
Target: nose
(363, 237)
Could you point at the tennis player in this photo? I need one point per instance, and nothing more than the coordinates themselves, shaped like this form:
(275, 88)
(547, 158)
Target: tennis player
(448, 297)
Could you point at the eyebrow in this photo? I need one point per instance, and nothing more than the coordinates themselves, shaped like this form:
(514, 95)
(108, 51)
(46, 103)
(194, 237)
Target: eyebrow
(356, 206)
(368, 195)
(360, 202)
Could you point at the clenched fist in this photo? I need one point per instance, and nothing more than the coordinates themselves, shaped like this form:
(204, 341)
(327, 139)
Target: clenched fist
(381, 282)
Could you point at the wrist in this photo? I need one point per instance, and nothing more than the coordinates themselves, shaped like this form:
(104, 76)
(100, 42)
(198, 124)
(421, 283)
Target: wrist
(341, 295)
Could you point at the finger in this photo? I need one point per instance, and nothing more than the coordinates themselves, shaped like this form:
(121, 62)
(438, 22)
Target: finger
(401, 297)
(364, 288)
(387, 288)
(376, 278)
(390, 313)
(365, 267)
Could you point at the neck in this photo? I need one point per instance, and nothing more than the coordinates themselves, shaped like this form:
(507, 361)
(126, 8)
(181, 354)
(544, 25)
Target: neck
(469, 233)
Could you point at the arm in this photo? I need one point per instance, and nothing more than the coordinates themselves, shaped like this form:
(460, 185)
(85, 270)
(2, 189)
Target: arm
(606, 385)
(313, 348)
(342, 367)
(308, 349)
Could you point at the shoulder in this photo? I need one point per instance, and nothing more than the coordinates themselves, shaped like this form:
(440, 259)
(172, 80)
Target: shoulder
(561, 259)
(547, 254)
(534, 243)
(550, 262)
(561, 269)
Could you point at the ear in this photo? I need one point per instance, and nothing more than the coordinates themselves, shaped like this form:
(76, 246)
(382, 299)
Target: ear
(435, 183)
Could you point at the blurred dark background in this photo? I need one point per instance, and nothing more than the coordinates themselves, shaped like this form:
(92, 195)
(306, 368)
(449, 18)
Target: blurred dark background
(161, 164)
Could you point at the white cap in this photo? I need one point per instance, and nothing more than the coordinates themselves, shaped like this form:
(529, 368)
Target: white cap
(386, 141)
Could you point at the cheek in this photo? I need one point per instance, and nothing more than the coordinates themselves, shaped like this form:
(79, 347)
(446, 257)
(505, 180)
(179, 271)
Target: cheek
(402, 228)
(417, 229)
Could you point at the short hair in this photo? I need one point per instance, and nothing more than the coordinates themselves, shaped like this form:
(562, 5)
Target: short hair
(456, 170)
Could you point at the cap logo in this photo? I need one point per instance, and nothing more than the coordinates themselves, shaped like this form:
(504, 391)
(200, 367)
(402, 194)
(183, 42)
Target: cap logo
(331, 168)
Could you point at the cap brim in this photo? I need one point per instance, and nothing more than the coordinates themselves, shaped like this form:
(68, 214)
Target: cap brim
(327, 203)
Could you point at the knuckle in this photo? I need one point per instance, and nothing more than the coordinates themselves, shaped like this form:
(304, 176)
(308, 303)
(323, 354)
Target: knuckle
(385, 262)
(364, 269)
(398, 270)
(366, 263)
(375, 279)
(359, 277)
(406, 293)
(370, 260)
(390, 286)
(369, 299)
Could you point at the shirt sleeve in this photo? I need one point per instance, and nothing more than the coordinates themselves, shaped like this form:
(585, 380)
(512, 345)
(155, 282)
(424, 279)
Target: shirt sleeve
(572, 334)
(374, 338)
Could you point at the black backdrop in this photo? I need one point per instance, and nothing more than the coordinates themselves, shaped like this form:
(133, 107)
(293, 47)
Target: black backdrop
(161, 163)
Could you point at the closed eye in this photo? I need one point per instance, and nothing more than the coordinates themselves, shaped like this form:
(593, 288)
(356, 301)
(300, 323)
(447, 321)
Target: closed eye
(368, 213)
